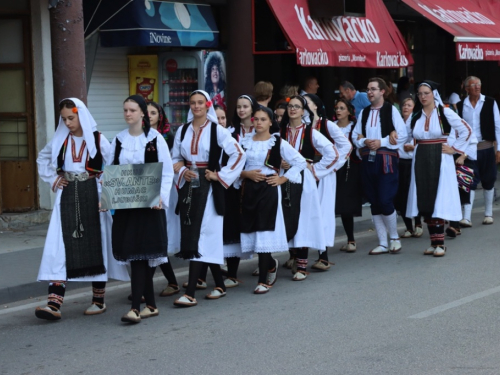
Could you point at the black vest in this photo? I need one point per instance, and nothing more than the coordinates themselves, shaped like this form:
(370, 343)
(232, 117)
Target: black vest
(486, 118)
(213, 165)
(445, 125)
(92, 165)
(150, 153)
(385, 119)
(307, 150)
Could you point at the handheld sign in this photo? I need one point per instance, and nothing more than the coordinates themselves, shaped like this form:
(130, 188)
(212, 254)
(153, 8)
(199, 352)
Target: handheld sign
(131, 186)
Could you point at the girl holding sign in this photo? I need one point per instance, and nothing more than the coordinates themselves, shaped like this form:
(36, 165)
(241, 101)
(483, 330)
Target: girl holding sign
(140, 234)
(78, 244)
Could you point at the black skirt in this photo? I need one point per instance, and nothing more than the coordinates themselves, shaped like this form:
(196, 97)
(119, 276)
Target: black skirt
(81, 229)
(259, 206)
(232, 216)
(139, 234)
(349, 196)
(291, 195)
(427, 171)
(401, 199)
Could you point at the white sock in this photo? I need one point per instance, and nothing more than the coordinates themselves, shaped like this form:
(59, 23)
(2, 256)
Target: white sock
(468, 207)
(380, 228)
(391, 224)
(488, 202)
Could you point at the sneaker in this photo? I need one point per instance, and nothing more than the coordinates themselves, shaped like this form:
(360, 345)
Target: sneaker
(487, 220)
(418, 232)
(95, 308)
(407, 234)
(47, 313)
(322, 265)
(132, 316)
(262, 289)
(201, 284)
(272, 276)
(148, 312)
(440, 251)
(379, 250)
(216, 294)
(256, 272)
(185, 301)
(231, 282)
(430, 250)
(170, 290)
(464, 223)
(299, 276)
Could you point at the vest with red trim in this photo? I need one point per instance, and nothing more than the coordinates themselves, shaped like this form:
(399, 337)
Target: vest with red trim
(92, 165)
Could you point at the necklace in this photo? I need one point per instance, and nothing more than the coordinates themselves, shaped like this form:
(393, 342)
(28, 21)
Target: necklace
(77, 159)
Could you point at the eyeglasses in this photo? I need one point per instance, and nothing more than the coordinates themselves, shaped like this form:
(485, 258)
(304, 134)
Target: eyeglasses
(422, 94)
(294, 106)
(372, 89)
(474, 85)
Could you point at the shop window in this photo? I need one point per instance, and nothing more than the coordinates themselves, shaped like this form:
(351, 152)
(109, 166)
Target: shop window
(14, 98)
(13, 139)
(11, 41)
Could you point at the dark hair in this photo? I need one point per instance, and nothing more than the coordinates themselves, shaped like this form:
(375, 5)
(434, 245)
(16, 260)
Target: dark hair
(163, 124)
(381, 83)
(263, 90)
(281, 105)
(138, 99)
(216, 107)
(274, 124)
(286, 119)
(66, 103)
(308, 80)
(214, 59)
(321, 111)
(236, 119)
(347, 85)
(350, 108)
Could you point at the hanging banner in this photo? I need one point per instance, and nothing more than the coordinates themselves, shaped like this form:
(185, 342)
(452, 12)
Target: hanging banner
(131, 186)
(143, 76)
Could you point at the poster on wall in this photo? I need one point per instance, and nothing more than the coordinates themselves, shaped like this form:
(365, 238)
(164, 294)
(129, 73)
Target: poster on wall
(214, 69)
(143, 76)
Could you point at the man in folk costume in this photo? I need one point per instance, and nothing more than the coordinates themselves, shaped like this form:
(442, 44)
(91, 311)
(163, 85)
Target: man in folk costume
(371, 135)
(481, 113)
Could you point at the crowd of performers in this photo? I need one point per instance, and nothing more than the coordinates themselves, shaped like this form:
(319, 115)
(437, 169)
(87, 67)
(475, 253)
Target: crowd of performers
(267, 182)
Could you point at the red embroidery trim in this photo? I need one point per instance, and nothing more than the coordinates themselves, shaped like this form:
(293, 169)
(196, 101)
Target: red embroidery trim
(196, 139)
(77, 159)
(295, 137)
(240, 155)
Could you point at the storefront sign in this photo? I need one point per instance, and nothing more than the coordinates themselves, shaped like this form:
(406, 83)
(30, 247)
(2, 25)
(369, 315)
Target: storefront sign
(131, 186)
(478, 51)
(143, 76)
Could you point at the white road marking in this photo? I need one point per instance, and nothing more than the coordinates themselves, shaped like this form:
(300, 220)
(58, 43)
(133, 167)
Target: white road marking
(458, 302)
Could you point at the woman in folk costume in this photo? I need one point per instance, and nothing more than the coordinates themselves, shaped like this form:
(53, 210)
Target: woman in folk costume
(349, 194)
(327, 173)
(159, 121)
(140, 234)
(263, 228)
(433, 190)
(78, 244)
(201, 208)
(301, 202)
(246, 105)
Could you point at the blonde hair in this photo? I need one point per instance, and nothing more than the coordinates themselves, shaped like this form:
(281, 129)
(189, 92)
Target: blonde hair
(263, 90)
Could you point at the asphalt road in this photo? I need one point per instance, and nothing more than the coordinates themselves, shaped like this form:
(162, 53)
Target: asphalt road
(387, 314)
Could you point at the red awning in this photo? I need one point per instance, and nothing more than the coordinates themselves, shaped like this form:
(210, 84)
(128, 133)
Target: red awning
(373, 41)
(476, 29)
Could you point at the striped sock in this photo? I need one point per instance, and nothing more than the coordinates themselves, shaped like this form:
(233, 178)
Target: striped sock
(56, 295)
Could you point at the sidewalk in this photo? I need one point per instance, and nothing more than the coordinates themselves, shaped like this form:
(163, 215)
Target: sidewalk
(21, 251)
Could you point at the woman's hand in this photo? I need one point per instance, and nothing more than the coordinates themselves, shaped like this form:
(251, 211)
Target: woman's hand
(178, 166)
(309, 166)
(409, 147)
(447, 149)
(157, 207)
(393, 138)
(189, 175)
(62, 183)
(100, 209)
(285, 165)
(254, 175)
(211, 176)
(276, 180)
(460, 160)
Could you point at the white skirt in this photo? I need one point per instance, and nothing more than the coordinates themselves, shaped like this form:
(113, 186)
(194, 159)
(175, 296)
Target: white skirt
(447, 205)
(53, 264)
(327, 190)
(310, 232)
(272, 241)
(173, 223)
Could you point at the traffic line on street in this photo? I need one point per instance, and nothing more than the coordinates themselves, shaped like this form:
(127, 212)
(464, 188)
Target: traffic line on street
(458, 302)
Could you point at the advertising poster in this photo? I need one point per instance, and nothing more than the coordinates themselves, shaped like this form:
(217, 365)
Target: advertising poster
(143, 76)
(214, 71)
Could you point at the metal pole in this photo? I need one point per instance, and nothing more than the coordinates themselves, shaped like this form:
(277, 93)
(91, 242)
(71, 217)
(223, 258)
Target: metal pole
(68, 51)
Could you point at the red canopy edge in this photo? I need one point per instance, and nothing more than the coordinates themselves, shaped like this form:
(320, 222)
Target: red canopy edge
(373, 41)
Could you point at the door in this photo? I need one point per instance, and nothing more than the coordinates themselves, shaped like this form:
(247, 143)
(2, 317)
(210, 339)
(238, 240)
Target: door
(17, 140)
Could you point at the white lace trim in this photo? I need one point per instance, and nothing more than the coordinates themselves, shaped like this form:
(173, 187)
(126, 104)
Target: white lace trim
(131, 143)
(294, 176)
(264, 247)
(249, 144)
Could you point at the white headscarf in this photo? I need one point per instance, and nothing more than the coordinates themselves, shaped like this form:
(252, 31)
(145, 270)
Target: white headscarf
(88, 124)
(211, 115)
(437, 97)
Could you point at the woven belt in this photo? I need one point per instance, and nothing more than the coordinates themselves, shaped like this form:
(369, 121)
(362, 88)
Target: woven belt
(483, 145)
(199, 164)
(84, 176)
(430, 141)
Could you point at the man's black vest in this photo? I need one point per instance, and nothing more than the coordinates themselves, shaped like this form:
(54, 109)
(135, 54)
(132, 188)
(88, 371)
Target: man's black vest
(92, 165)
(486, 118)
(385, 119)
(445, 125)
